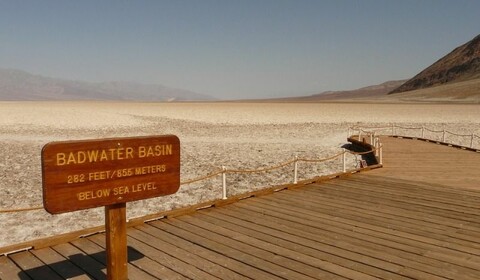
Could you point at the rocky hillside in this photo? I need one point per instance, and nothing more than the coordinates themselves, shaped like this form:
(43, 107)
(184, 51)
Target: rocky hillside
(20, 85)
(462, 64)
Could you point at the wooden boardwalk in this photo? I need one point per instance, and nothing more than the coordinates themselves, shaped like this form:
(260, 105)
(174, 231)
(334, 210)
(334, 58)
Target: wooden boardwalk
(416, 218)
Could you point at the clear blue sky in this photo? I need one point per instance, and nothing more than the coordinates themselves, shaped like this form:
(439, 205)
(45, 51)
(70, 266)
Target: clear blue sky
(234, 49)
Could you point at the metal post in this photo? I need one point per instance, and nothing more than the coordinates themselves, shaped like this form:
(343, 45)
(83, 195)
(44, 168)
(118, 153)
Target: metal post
(381, 153)
(224, 183)
(423, 132)
(344, 160)
(471, 140)
(443, 137)
(295, 170)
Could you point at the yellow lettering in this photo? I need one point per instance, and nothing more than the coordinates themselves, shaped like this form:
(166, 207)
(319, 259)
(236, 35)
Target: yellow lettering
(155, 151)
(61, 159)
(159, 150)
(121, 190)
(150, 152)
(141, 152)
(129, 152)
(92, 155)
(71, 159)
(103, 155)
(93, 194)
(168, 150)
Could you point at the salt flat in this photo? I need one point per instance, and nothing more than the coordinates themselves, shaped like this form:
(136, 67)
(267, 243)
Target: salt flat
(212, 135)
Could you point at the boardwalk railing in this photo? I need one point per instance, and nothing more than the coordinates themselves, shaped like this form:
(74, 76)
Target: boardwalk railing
(223, 171)
(467, 140)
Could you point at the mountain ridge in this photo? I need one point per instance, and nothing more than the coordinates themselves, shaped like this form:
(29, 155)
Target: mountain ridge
(461, 64)
(18, 85)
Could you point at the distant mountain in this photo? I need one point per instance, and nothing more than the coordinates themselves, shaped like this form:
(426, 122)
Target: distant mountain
(374, 91)
(462, 64)
(369, 92)
(20, 85)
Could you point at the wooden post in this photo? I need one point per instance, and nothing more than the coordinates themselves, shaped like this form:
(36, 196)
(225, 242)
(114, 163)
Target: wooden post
(295, 170)
(423, 132)
(224, 183)
(471, 140)
(381, 153)
(393, 129)
(116, 241)
(344, 160)
(443, 136)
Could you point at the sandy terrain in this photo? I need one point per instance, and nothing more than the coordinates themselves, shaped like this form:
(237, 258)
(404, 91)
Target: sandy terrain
(235, 135)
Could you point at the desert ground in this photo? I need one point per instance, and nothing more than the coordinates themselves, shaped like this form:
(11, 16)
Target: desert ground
(212, 135)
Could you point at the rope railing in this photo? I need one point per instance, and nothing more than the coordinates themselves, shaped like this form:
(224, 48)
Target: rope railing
(371, 131)
(223, 171)
(21, 209)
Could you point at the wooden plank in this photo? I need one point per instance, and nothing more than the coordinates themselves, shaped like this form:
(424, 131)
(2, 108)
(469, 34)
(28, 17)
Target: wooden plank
(306, 264)
(206, 254)
(33, 267)
(405, 204)
(181, 268)
(240, 254)
(305, 246)
(9, 270)
(407, 199)
(383, 232)
(361, 243)
(446, 229)
(413, 194)
(387, 209)
(427, 186)
(403, 155)
(98, 253)
(398, 209)
(144, 263)
(175, 252)
(408, 188)
(60, 264)
(365, 241)
(87, 263)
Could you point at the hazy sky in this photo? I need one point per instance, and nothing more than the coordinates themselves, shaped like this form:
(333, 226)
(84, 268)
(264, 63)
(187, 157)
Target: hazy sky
(234, 49)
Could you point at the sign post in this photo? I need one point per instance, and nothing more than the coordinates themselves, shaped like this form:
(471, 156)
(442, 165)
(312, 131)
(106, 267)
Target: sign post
(116, 241)
(85, 174)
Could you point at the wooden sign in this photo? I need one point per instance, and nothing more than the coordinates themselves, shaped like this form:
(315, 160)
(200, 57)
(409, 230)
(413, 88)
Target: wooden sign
(91, 173)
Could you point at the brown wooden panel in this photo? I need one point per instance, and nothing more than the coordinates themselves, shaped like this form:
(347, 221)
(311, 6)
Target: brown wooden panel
(34, 267)
(319, 250)
(60, 264)
(180, 254)
(345, 238)
(205, 254)
(9, 270)
(91, 173)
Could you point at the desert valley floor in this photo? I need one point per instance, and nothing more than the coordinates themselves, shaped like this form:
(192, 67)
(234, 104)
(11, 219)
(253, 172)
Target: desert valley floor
(212, 135)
